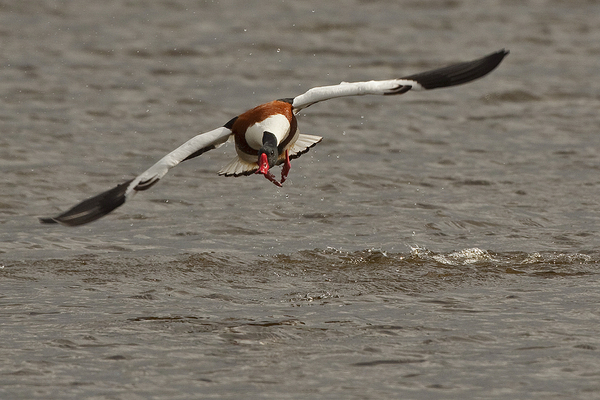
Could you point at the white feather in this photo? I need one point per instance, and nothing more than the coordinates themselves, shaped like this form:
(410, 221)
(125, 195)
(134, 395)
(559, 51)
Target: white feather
(238, 167)
(304, 143)
(214, 138)
(322, 93)
(277, 124)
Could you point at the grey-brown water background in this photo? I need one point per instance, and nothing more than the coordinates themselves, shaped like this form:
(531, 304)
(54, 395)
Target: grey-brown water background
(441, 244)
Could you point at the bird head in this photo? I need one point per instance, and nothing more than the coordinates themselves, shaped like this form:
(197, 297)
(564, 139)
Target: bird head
(268, 153)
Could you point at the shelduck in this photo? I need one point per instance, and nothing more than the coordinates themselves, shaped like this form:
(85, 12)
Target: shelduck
(268, 135)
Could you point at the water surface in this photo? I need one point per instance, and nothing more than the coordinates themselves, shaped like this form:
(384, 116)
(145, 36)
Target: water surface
(441, 244)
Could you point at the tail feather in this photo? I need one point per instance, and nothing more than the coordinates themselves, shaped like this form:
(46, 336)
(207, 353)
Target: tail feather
(303, 144)
(93, 208)
(238, 167)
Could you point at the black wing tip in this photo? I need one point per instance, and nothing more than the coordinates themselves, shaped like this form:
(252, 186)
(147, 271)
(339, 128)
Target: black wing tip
(496, 58)
(91, 209)
(49, 220)
(458, 74)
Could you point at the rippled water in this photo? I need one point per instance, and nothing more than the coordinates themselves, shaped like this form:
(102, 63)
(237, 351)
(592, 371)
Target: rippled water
(441, 244)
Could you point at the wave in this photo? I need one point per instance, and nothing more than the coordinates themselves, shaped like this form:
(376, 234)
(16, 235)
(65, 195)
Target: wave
(311, 275)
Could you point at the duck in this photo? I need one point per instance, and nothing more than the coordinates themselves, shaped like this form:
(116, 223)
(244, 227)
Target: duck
(267, 135)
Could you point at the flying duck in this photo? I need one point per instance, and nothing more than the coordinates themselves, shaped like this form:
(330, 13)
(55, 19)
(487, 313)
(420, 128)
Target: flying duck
(268, 135)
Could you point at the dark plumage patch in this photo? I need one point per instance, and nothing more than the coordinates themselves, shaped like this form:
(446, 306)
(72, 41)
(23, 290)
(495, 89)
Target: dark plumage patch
(458, 73)
(401, 89)
(92, 208)
(203, 150)
(199, 152)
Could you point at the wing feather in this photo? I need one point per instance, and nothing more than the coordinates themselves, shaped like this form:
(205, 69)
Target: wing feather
(451, 75)
(98, 206)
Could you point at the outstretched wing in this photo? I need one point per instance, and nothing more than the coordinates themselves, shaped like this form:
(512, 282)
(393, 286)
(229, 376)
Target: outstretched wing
(452, 75)
(98, 206)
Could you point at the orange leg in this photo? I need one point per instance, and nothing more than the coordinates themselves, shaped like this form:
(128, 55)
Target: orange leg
(286, 167)
(271, 177)
(284, 171)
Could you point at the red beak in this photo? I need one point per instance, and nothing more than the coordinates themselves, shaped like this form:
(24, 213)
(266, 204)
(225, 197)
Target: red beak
(263, 165)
